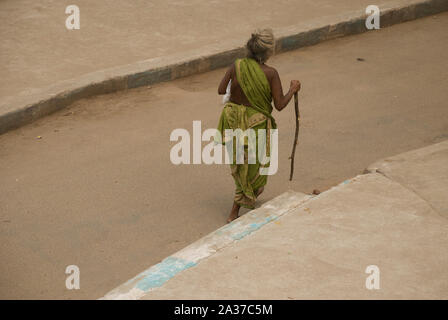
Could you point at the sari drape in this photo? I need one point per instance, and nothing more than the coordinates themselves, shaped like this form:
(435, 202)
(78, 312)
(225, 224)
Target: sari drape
(255, 86)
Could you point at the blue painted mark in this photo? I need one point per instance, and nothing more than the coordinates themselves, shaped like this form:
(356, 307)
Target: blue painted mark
(162, 272)
(252, 227)
(346, 181)
(157, 275)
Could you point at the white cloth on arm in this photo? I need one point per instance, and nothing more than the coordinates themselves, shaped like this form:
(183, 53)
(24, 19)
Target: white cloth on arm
(226, 97)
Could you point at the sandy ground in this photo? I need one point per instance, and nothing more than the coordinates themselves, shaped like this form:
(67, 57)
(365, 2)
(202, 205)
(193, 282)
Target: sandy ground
(37, 49)
(98, 189)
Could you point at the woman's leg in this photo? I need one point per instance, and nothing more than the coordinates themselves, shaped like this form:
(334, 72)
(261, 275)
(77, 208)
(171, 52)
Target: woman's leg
(259, 191)
(234, 212)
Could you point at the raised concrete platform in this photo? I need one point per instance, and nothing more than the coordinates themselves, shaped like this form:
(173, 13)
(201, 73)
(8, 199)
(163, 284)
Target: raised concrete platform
(19, 107)
(319, 247)
(424, 171)
(157, 275)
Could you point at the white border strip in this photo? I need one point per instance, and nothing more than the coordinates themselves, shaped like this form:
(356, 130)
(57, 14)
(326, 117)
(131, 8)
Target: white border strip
(190, 256)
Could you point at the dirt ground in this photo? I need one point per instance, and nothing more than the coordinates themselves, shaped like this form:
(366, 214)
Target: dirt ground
(93, 185)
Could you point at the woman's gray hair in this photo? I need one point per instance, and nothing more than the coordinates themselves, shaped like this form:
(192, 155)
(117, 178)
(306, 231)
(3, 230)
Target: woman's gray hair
(261, 45)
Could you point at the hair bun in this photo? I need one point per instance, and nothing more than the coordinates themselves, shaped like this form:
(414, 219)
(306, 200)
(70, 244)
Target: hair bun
(261, 44)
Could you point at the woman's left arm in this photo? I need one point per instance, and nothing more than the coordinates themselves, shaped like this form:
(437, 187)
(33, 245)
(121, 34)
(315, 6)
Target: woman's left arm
(223, 85)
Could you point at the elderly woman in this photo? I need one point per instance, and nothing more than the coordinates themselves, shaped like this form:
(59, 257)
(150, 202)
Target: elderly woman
(253, 87)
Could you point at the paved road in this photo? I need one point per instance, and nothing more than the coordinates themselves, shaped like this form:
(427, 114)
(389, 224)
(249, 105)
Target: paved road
(98, 190)
(37, 50)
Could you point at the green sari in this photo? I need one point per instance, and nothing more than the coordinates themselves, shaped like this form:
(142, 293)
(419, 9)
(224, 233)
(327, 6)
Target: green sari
(255, 86)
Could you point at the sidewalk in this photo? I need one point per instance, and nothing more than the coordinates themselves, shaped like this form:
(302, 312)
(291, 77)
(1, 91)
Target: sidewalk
(124, 45)
(393, 217)
(37, 50)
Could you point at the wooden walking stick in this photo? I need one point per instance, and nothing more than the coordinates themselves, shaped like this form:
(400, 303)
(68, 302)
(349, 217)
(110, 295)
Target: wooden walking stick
(296, 105)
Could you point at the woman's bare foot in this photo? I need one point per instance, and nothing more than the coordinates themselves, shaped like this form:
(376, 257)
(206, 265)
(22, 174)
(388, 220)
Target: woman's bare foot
(233, 213)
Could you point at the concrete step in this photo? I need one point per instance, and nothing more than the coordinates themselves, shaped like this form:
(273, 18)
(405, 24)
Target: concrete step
(424, 171)
(322, 248)
(157, 275)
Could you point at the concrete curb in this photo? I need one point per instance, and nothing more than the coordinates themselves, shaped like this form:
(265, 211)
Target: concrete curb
(383, 165)
(157, 275)
(29, 106)
(190, 256)
(422, 171)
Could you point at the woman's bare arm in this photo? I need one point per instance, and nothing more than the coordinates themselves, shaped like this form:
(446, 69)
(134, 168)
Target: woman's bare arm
(225, 81)
(280, 100)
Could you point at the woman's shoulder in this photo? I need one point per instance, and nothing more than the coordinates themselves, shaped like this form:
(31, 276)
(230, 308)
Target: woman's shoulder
(269, 68)
(269, 71)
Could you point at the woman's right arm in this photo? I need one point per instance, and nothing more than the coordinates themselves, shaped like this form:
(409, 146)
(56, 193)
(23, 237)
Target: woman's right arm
(225, 80)
(280, 100)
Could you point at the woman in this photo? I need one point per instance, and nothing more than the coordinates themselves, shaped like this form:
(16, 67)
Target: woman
(253, 86)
